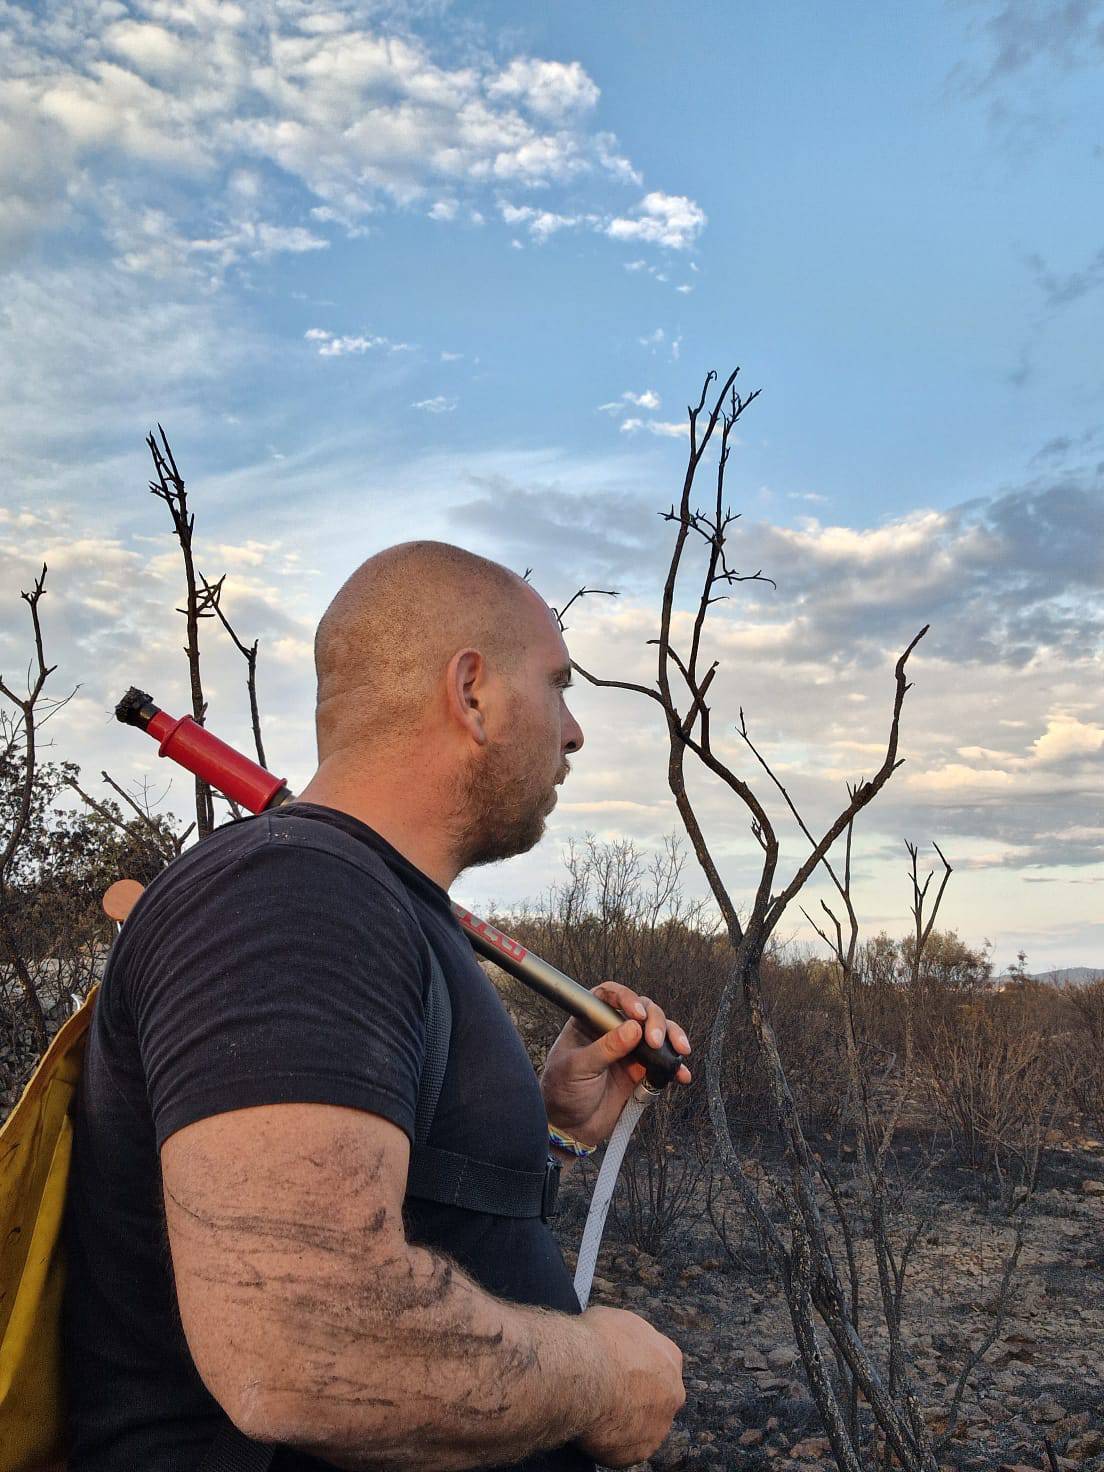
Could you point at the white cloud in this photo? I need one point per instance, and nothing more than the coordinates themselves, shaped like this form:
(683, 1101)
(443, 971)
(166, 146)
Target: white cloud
(647, 268)
(148, 241)
(258, 239)
(218, 95)
(1067, 737)
(1056, 766)
(868, 547)
(332, 346)
(955, 777)
(541, 224)
(614, 163)
(670, 220)
(666, 220)
(153, 50)
(655, 340)
(440, 404)
(664, 428)
(633, 423)
(647, 399)
(35, 176)
(550, 89)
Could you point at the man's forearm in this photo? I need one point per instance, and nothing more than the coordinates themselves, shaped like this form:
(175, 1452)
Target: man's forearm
(420, 1368)
(313, 1321)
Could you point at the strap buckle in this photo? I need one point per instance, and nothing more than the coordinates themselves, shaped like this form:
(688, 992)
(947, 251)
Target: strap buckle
(550, 1189)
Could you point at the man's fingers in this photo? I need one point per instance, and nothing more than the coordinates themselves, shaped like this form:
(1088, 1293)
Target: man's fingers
(653, 1018)
(621, 997)
(615, 1047)
(623, 1039)
(612, 1047)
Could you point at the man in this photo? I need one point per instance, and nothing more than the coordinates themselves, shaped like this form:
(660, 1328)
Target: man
(236, 1230)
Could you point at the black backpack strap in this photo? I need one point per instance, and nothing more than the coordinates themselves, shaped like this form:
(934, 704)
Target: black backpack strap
(461, 1180)
(438, 1036)
(477, 1185)
(232, 1451)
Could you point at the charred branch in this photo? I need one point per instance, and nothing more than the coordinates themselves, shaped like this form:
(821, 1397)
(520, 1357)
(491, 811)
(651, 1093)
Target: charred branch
(802, 1256)
(169, 487)
(212, 595)
(26, 726)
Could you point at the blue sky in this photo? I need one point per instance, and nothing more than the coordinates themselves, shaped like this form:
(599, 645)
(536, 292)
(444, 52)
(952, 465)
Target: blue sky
(455, 270)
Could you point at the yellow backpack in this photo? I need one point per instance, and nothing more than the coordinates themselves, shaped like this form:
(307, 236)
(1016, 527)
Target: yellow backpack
(35, 1145)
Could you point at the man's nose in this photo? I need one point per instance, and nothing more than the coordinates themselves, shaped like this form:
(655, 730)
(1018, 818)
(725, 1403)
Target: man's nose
(574, 735)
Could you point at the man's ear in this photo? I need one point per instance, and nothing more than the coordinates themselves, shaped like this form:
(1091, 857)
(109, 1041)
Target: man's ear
(465, 680)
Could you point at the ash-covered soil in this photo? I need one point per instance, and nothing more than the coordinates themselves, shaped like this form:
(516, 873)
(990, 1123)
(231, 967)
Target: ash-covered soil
(747, 1401)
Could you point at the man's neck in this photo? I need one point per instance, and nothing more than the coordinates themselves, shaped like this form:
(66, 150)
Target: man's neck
(403, 818)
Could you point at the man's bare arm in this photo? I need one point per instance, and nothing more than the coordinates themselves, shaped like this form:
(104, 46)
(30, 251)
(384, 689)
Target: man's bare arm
(315, 1324)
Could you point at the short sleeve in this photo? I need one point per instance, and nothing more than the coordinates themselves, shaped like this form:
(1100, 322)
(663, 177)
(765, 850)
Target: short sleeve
(292, 975)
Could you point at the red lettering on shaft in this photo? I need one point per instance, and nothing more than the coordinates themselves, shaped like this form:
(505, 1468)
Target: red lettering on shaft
(504, 943)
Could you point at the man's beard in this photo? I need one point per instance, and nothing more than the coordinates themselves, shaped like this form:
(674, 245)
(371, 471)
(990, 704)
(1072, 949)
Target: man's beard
(501, 809)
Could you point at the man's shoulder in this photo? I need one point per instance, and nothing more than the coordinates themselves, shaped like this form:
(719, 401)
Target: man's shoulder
(277, 873)
(276, 841)
(258, 900)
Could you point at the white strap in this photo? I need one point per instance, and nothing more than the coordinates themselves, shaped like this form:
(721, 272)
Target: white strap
(603, 1191)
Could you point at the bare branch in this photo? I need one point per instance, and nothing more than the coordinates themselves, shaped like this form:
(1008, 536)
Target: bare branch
(582, 593)
(27, 707)
(169, 487)
(614, 684)
(212, 593)
(863, 795)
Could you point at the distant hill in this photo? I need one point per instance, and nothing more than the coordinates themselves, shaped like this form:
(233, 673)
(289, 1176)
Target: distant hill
(1071, 976)
(1063, 976)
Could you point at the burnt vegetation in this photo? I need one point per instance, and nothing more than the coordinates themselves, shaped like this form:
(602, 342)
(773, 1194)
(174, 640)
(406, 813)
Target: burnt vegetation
(944, 1235)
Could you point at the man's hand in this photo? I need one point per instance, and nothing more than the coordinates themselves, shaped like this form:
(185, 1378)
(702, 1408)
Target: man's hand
(586, 1083)
(643, 1392)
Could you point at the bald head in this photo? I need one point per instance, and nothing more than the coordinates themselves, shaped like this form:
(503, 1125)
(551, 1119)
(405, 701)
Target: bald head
(385, 641)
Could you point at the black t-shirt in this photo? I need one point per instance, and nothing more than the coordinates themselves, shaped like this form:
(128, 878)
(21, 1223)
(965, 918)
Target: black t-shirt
(270, 964)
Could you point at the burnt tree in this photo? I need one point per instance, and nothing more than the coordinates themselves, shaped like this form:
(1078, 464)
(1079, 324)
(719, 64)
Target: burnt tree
(797, 1240)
